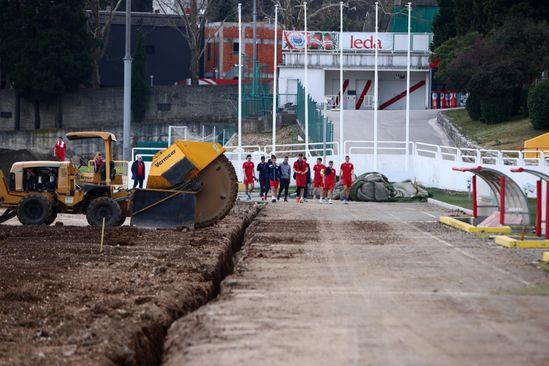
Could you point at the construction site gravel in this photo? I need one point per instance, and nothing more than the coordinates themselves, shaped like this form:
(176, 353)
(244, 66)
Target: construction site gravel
(361, 284)
(64, 302)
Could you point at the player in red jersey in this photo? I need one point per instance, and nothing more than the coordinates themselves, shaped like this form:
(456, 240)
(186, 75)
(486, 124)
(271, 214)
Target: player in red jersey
(347, 170)
(329, 181)
(248, 170)
(300, 171)
(318, 183)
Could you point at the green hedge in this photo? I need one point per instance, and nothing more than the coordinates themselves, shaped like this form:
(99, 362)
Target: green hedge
(496, 109)
(538, 105)
(473, 106)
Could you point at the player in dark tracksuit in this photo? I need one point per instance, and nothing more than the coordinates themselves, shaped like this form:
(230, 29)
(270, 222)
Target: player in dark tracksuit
(262, 169)
(274, 175)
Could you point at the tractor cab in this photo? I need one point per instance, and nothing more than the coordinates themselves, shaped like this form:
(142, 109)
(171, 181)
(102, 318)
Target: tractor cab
(110, 172)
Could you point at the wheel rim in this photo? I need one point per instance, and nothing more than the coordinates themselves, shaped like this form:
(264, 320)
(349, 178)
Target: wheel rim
(103, 212)
(34, 211)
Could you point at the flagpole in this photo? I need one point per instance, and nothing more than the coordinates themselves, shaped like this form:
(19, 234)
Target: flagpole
(341, 138)
(306, 82)
(375, 89)
(275, 62)
(408, 85)
(240, 45)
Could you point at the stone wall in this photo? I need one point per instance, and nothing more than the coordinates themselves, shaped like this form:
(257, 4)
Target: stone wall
(453, 133)
(103, 108)
(42, 141)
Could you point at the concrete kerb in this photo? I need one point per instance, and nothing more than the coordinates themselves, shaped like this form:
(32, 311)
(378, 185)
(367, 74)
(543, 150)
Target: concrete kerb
(461, 225)
(449, 206)
(510, 242)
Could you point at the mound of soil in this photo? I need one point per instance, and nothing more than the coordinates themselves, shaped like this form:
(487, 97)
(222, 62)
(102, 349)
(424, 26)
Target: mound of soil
(62, 301)
(8, 157)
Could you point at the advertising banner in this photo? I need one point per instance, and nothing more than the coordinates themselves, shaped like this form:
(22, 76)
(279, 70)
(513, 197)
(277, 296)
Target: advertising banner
(295, 40)
(360, 41)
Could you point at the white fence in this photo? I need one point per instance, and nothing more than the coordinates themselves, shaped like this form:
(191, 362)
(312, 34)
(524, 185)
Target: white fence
(430, 165)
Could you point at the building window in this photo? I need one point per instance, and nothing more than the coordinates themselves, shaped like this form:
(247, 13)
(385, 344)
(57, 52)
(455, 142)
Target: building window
(236, 47)
(149, 50)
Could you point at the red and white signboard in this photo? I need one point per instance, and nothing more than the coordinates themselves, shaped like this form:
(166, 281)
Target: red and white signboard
(361, 41)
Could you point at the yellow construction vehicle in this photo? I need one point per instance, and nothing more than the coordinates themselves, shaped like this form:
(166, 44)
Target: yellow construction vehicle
(190, 184)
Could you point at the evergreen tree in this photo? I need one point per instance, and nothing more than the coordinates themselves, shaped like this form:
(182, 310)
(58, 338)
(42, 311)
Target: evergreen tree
(140, 84)
(46, 49)
(444, 25)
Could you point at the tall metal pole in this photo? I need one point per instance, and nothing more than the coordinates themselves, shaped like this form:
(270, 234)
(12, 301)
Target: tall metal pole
(306, 82)
(275, 65)
(341, 139)
(254, 47)
(375, 90)
(408, 85)
(239, 78)
(127, 85)
(254, 32)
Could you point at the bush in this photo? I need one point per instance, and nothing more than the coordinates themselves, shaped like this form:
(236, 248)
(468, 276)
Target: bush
(538, 105)
(496, 109)
(473, 106)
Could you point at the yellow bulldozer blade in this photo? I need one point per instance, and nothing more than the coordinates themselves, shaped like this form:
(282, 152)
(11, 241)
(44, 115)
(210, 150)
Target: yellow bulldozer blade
(163, 209)
(218, 193)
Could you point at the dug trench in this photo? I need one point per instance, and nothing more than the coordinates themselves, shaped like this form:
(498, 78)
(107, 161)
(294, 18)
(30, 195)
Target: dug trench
(64, 302)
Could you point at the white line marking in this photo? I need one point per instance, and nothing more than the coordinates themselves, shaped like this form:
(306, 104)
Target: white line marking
(428, 214)
(468, 255)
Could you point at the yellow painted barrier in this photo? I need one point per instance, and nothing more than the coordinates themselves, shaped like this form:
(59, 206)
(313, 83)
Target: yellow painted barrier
(545, 257)
(461, 225)
(509, 242)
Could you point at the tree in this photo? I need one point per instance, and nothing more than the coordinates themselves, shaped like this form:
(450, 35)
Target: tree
(444, 25)
(194, 14)
(101, 13)
(140, 85)
(46, 49)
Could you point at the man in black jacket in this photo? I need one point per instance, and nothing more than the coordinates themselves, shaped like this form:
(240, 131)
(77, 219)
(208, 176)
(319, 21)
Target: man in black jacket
(138, 172)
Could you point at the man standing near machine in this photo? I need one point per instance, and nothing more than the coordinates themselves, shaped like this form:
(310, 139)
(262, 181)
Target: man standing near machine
(248, 170)
(59, 149)
(138, 172)
(347, 170)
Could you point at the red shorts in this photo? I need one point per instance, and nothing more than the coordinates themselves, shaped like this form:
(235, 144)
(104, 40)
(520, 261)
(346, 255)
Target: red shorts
(329, 186)
(318, 184)
(347, 181)
(249, 180)
(274, 183)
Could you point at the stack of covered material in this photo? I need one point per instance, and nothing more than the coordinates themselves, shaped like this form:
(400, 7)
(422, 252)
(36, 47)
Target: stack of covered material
(375, 187)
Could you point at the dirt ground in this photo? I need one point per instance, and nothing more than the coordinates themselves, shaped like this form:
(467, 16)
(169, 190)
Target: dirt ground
(369, 284)
(64, 302)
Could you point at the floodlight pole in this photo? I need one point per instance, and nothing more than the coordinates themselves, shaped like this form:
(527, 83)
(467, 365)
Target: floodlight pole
(275, 65)
(341, 139)
(127, 85)
(306, 82)
(239, 78)
(408, 61)
(375, 89)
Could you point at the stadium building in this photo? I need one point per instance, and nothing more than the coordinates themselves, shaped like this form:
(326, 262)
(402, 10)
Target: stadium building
(358, 66)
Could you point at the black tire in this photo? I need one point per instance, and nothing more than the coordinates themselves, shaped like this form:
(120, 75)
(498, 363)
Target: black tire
(103, 207)
(34, 209)
(122, 220)
(51, 218)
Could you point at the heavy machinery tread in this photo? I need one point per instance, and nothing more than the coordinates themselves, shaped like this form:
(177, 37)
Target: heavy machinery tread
(230, 200)
(34, 209)
(110, 209)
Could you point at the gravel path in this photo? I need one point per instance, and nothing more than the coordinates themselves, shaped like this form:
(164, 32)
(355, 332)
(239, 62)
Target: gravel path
(368, 284)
